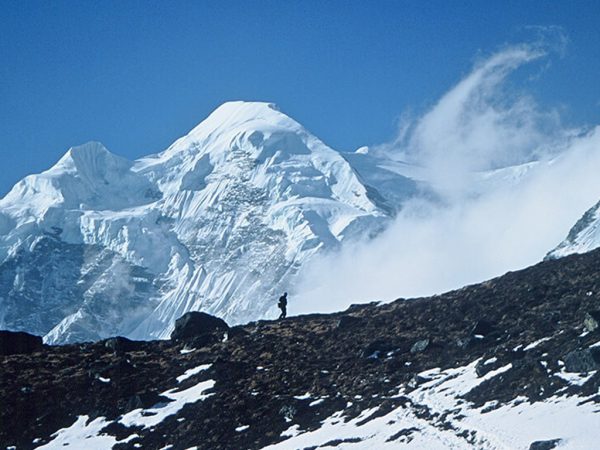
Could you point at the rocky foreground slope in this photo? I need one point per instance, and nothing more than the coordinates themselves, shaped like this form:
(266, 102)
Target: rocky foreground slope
(510, 363)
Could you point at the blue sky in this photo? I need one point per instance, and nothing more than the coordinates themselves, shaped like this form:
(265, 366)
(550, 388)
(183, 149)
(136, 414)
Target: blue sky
(137, 75)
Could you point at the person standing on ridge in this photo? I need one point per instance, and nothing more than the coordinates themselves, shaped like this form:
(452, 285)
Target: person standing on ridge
(283, 305)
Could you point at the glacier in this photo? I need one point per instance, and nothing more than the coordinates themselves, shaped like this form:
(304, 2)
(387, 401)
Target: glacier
(221, 221)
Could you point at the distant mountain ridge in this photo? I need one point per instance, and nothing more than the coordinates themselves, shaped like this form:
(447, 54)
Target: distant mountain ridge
(221, 221)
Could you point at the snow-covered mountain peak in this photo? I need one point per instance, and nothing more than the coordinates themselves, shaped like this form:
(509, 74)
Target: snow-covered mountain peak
(253, 143)
(90, 159)
(236, 113)
(221, 221)
(87, 177)
(230, 126)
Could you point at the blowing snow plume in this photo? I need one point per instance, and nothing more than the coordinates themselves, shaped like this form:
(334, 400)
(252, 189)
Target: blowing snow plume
(508, 179)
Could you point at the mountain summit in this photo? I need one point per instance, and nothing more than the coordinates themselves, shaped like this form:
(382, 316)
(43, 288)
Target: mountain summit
(221, 221)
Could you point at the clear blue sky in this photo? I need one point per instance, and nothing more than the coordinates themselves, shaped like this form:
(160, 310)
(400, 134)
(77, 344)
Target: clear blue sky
(136, 75)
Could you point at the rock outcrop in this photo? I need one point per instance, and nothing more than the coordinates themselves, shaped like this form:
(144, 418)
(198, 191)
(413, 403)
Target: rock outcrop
(592, 321)
(197, 324)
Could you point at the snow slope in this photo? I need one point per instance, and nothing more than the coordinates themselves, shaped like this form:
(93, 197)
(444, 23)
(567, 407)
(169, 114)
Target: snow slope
(221, 221)
(568, 420)
(583, 237)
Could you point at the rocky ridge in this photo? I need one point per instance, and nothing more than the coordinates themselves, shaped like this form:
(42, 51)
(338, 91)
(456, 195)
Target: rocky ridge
(489, 366)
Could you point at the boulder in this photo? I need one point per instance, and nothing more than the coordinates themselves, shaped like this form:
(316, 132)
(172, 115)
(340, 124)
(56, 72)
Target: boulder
(145, 399)
(582, 360)
(468, 342)
(592, 320)
(194, 324)
(545, 445)
(121, 344)
(420, 346)
(117, 370)
(288, 412)
(19, 342)
(482, 328)
(417, 380)
(377, 348)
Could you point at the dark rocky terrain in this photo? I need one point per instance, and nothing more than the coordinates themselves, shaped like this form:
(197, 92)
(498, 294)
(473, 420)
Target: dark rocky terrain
(352, 360)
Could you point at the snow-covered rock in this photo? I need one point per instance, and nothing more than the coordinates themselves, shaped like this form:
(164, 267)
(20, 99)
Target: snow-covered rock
(583, 237)
(221, 221)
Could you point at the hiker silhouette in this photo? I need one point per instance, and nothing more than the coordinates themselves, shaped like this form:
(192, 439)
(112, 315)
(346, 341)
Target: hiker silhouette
(283, 305)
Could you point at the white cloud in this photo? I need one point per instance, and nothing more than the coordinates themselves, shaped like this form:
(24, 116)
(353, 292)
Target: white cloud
(485, 225)
(479, 125)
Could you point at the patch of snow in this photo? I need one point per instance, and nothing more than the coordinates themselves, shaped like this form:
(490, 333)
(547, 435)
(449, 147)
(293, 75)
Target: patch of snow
(191, 372)
(292, 431)
(305, 396)
(82, 434)
(242, 428)
(575, 378)
(496, 372)
(185, 351)
(536, 343)
(152, 416)
(429, 373)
